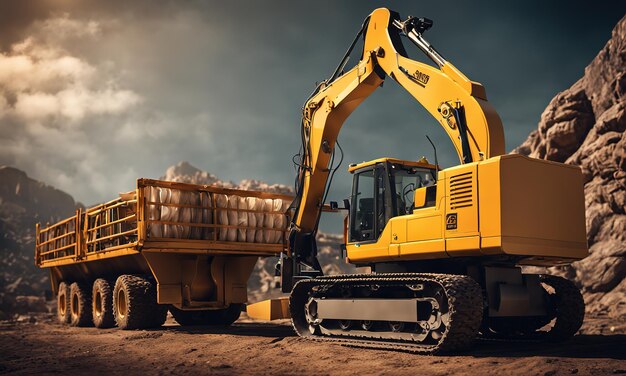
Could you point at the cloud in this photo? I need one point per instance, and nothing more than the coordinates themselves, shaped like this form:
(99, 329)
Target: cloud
(94, 94)
(80, 110)
(44, 82)
(55, 107)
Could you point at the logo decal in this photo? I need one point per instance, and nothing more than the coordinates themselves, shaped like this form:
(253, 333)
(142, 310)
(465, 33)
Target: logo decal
(451, 221)
(421, 77)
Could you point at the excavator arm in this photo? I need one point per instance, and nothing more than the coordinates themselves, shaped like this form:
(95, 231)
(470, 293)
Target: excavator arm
(458, 104)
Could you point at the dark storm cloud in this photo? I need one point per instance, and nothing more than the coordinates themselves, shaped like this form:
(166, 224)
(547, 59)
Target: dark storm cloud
(221, 83)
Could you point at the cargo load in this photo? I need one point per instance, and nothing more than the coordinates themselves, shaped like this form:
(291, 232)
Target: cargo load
(194, 245)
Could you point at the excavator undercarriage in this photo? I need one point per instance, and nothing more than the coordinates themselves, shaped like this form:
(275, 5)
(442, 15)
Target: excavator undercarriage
(432, 312)
(423, 313)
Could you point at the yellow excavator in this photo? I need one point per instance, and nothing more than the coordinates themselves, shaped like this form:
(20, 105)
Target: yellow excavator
(446, 247)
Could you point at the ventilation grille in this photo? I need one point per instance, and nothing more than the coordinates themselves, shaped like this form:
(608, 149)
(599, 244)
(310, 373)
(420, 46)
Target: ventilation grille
(461, 190)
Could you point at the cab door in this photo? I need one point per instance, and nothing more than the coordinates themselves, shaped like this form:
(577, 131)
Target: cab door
(370, 211)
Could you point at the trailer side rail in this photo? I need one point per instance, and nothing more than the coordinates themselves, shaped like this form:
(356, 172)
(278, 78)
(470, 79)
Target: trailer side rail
(169, 217)
(59, 241)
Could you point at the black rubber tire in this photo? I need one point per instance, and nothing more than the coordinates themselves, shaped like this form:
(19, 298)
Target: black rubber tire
(63, 303)
(135, 304)
(102, 304)
(80, 305)
(566, 306)
(221, 317)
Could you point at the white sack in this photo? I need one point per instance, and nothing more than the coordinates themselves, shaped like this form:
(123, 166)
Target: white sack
(175, 230)
(268, 221)
(221, 201)
(242, 219)
(184, 215)
(280, 222)
(207, 215)
(251, 204)
(153, 211)
(166, 211)
(233, 201)
(259, 216)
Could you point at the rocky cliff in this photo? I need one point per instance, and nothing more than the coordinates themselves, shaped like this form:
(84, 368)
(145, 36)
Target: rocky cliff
(24, 202)
(584, 126)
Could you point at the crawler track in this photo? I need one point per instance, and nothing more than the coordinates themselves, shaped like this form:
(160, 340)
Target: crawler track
(453, 326)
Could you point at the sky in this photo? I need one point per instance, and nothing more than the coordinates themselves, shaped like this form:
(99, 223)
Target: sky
(94, 94)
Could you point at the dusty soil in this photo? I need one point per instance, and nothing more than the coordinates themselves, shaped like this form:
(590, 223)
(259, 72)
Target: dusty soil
(248, 347)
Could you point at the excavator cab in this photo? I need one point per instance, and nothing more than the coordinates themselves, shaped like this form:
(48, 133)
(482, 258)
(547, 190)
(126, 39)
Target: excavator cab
(386, 188)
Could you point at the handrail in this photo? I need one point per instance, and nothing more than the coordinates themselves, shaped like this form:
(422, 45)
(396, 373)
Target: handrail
(58, 249)
(57, 224)
(97, 240)
(125, 219)
(98, 209)
(58, 237)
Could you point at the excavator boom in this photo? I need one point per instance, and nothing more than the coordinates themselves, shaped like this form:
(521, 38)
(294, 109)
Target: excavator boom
(458, 104)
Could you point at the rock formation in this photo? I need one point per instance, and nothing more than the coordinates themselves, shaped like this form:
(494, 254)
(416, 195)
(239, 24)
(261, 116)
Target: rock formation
(584, 126)
(184, 172)
(24, 202)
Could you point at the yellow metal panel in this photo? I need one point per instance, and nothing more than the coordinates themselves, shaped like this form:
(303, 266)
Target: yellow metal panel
(465, 246)
(366, 252)
(271, 309)
(514, 245)
(419, 197)
(491, 245)
(426, 249)
(532, 185)
(398, 229)
(424, 228)
(394, 249)
(489, 199)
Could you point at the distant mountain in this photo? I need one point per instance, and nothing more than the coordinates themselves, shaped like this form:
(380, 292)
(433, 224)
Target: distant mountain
(184, 172)
(24, 202)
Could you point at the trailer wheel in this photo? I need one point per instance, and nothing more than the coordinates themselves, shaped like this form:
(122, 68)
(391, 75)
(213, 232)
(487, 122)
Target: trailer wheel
(223, 317)
(63, 303)
(135, 304)
(102, 304)
(80, 305)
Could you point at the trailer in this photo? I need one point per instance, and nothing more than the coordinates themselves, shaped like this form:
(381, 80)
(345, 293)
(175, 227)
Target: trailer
(164, 246)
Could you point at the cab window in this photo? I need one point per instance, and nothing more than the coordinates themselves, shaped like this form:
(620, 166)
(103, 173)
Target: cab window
(362, 218)
(406, 181)
(372, 206)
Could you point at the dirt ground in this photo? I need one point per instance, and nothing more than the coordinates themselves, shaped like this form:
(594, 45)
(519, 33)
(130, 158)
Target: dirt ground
(45, 347)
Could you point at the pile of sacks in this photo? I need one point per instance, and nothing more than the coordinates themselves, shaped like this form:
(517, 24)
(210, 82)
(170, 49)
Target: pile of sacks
(256, 220)
(244, 219)
(202, 214)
